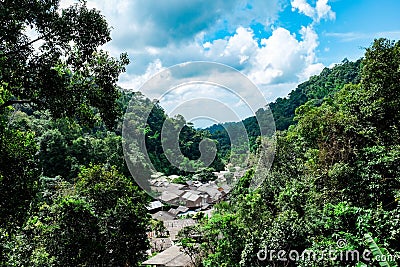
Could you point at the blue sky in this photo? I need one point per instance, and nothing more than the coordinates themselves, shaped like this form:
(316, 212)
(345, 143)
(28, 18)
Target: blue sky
(277, 44)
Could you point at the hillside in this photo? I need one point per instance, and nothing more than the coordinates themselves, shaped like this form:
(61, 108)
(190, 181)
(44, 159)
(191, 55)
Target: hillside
(334, 183)
(327, 83)
(95, 175)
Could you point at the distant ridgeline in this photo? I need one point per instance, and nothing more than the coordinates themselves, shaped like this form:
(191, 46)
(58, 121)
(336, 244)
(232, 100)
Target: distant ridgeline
(329, 81)
(189, 138)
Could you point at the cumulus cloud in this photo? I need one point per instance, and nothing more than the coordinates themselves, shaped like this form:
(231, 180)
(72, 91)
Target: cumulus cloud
(282, 58)
(275, 67)
(159, 34)
(159, 23)
(303, 7)
(236, 51)
(321, 10)
(134, 82)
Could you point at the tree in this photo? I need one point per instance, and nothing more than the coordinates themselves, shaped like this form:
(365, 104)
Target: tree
(380, 84)
(18, 171)
(335, 174)
(189, 239)
(66, 72)
(101, 221)
(206, 174)
(53, 154)
(121, 212)
(50, 58)
(18, 180)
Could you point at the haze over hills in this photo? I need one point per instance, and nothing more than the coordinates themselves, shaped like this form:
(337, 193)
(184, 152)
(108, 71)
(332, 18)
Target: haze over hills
(325, 84)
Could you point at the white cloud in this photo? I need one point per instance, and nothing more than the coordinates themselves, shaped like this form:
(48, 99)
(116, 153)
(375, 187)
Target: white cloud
(353, 36)
(324, 11)
(235, 51)
(157, 34)
(283, 58)
(159, 23)
(134, 82)
(303, 7)
(277, 59)
(321, 10)
(275, 67)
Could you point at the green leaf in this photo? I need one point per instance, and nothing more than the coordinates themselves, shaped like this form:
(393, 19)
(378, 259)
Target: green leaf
(379, 253)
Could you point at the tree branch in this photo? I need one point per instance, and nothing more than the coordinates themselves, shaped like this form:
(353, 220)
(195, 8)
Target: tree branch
(12, 52)
(12, 102)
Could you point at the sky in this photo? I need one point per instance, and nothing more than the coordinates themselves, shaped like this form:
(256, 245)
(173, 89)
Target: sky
(276, 44)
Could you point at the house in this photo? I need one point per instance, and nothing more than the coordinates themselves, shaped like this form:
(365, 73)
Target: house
(163, 216)
(192, 200)
(212, 191)
(175, 188)
(178, 210)
(171, 257)
(154, 206)
(173, 211)
(169, 197)
(182, 209)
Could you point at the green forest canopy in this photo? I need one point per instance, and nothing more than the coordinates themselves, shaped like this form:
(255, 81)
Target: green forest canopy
(69, 200)
(335, 177)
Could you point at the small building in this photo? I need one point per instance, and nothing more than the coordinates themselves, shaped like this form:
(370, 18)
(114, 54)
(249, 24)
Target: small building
(167, 196)
(175, 188)
(171, 257)
(213, 191)
(173, 211)
(178, 210)
(154, 206)
(192, 200)
(182, 209)
(163, 216)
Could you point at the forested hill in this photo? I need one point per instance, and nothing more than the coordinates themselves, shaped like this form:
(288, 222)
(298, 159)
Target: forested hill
(68, 198)
(335, 180)
(329, 81)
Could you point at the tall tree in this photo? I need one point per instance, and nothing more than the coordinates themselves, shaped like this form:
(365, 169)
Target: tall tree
(51, 59)
(123, 218)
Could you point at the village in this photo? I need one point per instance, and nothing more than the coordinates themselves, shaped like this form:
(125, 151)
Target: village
(177, 207)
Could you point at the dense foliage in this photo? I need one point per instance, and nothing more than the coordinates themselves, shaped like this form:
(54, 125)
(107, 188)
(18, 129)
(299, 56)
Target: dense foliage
(50, 58)
(165, 138)
(335, 179)
(327, 83)
(67, 198)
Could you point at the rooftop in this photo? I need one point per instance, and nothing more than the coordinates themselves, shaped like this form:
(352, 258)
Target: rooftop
(163, 216)
(172, 257)
(190, 196)
(154, 205)
(167, 196)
